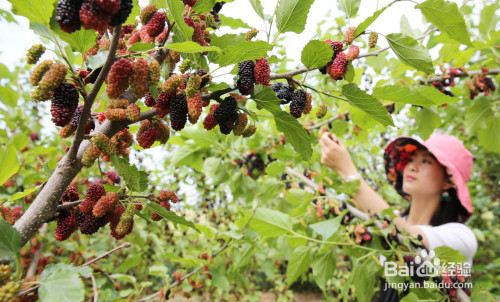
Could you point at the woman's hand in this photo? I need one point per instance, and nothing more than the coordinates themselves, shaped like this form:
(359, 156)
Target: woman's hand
(335, 155)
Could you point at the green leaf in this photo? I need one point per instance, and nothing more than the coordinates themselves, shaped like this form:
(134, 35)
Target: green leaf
(223, 42)
(136, 10)
(61, 285)
(410, 52)
(327, 228)
(84, 271)
(20, 195)
(362, 278)
(489, 19)
(232, 22)
(204, 6)
(80, 40)
(9, 165)
(367, 103)
(271, 223)
(401, 94)
(35, 10)
(368, 21)
(171, 216)
(291, 15)
(477, 114)
(136, 180)
(447, 254)
(490, 136)
(295, 133)
(7, 16)
(191, 47)
(182, 32)
(242, 255)
(298, 263)
(447, 18)
(244, 51)
(323, 268)
(316, 54)
(127, 278)
(257, 7)
(219, 280)
(436, 96)
(427, 120)
(10, 241)
(275, 168)
(9, 95)
(140, 46)
(297, 197)
(349, 7)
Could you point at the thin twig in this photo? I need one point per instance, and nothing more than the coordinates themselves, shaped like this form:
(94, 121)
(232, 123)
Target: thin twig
(69, 205)
(322, 123)
(494, 71)
(32, 270)
(94, 287)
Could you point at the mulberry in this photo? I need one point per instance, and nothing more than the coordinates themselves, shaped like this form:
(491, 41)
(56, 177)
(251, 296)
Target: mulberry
(66, 225)
(185, 65)
(113, 176)
(102, 142)
(109, 6)
(156, 24)
(149, 100)
(34, 53)
(163, 132)
(93, 16)
(246, 79)
(262, 72)
(209, 123)
(283, 92)
(372, 40)
(7, 214)
(172, 83)
(240, 124)
(194, 108)
(88, 223)
(147, 139)
(353, 53)
(298, 103)
(116, 114)
(350, 35)
(133, 112)
(90, 155)
(113, 104)
(338, 67)
(114, 218)
(322, 110)
(9, 291)
(249, 131)
(308, 107)
(337, 47)
(68, 16)
(54, 77)
(205, 78)
(121, 16)
(153, 73)
(179, 111)
(139, 78)
(135, 38)
(226, 114)
(162, 105)
(71, 194)
(251, 34)
(64, 102)
(39, 71)
(147, 13)
(105, 204)
(117, 79)
(125, 224)
(189, 2)
(193, 85)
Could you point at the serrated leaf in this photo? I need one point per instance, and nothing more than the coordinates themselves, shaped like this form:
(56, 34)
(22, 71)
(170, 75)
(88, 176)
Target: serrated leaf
(191, 47)
(136, 180)
(291, 15)
(204, 6)
(244, 51)
(477, 114)
(368, 21)
(61, 285)
(327, 228)
(110, 188)
(223, 42)
(10, 241)
(401, 94)
(234, 23)
(35, 10)
(9, 165)
(80, 40)
(448, 254)
(140, 46)
(271, 223)
(84, 271)
(171, 216)
(447, 18)
(349, 7)
(182, 31)
(323, 268)
(367, 103)
(410, 52)
(257, 7)
(298, 263)
(434, 95)
(20, 195)
(316, 54)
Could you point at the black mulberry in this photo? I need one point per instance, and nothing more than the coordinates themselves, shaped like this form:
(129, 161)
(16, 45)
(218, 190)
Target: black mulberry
(121, 16)
(64, 102)
(246, 75)
(226, 114)
(88, 223)
(298, 103)
(283, 92)
(67, 15)
(179, 111)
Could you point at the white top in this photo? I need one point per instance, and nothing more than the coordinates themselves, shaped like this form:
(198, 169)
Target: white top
(455, 235)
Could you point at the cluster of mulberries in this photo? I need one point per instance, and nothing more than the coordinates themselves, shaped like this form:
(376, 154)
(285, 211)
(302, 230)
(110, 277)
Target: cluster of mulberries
(246, 80)
(298, 103)
(9, 290)
(7, 214)
(34, 53)
(262, 72)
(92, 14)
(139, 78)
(284, 93)
(178, 112)
(151, 131)
(226, 114)
(338, 66)
(163, 199)
(64, 103)
(118, 78)
(94, 193)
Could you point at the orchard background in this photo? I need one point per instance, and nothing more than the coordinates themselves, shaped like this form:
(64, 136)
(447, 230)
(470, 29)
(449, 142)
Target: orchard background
(127, 200)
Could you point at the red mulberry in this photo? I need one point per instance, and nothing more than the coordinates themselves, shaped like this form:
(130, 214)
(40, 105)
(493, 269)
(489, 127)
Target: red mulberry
(93, 16)
(117, 79)
(133, 112)
(246, 79)
(179, 111)
(105, 204)
(147, 139)
(113, 176)
(338, 67)
(194, 108)
(68, 16)
(156, 24)
(189, 2)
(372, 40)
(34, 53)
(71, 194)
(298, 103)
(147, 13)
(149, 100)
(139, 78)
(349, 35)
(163, 105)
(209, 123)
(88, 223)
(64, 102)
(262, 72)
(94, 193)
(337, 47)
(114, 218)
(7, 215)
(163, 132)
(66, 225)
(109, 6)
(353, 53)
(308, 107)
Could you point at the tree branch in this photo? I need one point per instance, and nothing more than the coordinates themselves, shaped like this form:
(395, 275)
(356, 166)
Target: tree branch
(494, 71)
(322, 123)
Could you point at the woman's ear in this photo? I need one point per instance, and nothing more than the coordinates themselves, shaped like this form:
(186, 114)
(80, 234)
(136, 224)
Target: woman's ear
(448, 185)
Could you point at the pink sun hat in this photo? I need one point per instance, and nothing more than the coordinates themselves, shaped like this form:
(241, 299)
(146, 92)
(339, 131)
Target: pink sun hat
(448, 151)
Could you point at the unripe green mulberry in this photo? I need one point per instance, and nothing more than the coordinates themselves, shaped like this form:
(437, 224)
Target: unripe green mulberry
(147, 13)
(34, 53)
(251, 34)
(321, 111)
(40, 94)
(5, 272)
(90, 155)
(133, 112)
(249, 131)
(372, 41)
(124, 227)
(39, 71)
(139, 78)
(54, 77)
(116, 115)
(9, 291)
(113, 104)
(193, 85)
(350, 35)
(66, 131)
(153, 72)
(185, 65)
(240, 124)
(170, 86)
(210, 20)
(102, 142)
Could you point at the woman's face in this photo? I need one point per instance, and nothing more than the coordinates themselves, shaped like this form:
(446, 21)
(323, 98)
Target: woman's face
(424, 175)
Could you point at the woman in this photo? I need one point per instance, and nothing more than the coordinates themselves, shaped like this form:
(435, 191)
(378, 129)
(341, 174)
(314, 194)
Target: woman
(432, 175)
